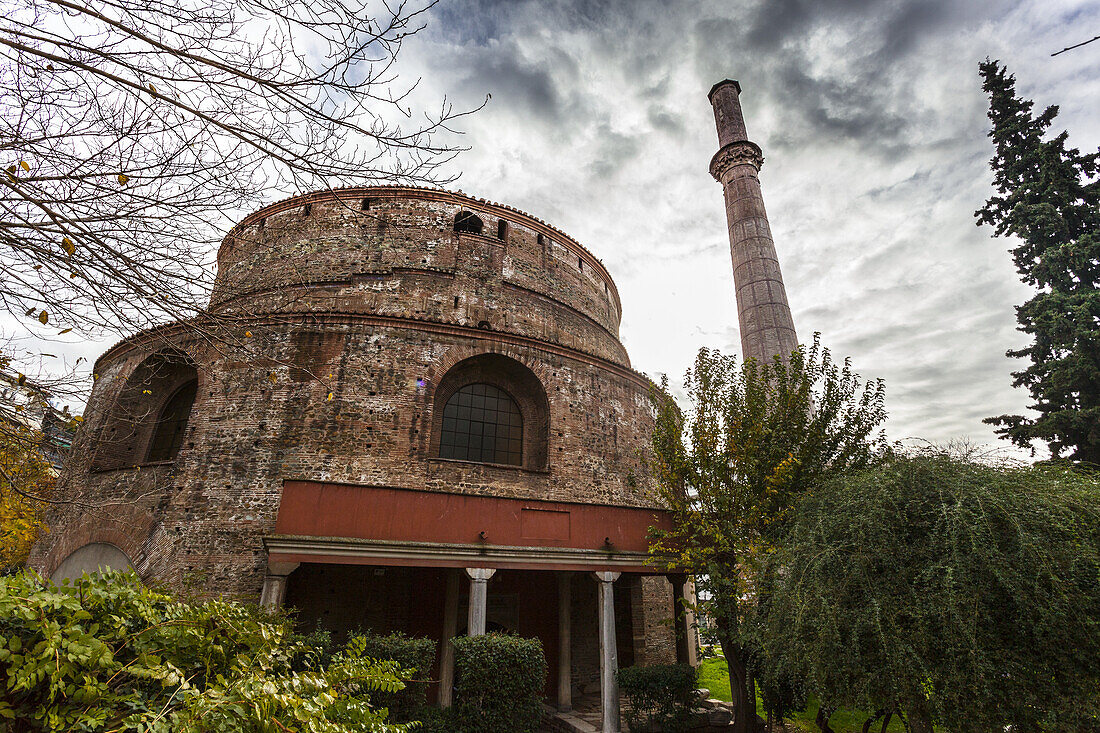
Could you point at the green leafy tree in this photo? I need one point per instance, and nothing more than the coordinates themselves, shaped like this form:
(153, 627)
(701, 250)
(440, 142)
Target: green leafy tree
(109, 654)
(953, 591)
(1048, 197)
(757, 437)
(26, 478)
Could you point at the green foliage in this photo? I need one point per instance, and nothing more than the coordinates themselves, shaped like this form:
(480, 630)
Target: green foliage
(415, 657)
(956, 591)
(107, 654)
(757, 438)
(499, 682)
(1048, 197)
(662, 695)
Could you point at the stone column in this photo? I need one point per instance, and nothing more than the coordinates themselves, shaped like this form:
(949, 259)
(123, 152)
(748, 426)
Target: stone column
(764, 317)
(683, 594)
(447, 647)
(479, 581)
(565, 641)
(609, 655)
(274, 589)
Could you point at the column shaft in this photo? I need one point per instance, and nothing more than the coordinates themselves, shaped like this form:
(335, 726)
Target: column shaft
(447, 647)
(479, 581)
(565, 651)
(609, 656)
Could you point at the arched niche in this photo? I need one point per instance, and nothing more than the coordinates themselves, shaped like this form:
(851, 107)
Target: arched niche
(518, 383)
(149, 417)
(468, 222)
(91, 558)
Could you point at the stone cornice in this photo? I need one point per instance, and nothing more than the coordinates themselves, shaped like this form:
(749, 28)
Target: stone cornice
(283, 548)
(740, 152)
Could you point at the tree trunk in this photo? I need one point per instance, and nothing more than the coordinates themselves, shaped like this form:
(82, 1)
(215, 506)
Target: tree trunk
(822, 720)
(739, 677)
(885, 722)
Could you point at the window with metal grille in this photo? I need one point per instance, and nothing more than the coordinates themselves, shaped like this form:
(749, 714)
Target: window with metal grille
(168, 434)
(482, 423)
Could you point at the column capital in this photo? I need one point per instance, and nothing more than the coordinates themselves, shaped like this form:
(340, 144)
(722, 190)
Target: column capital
(481, 574)
(281, 568)
(741, 152)
(606, 576)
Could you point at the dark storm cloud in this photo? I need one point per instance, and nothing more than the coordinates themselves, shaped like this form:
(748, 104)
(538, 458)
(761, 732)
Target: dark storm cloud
(503, 72)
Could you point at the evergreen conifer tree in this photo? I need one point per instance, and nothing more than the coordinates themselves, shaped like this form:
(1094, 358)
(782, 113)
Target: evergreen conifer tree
(1048, 197)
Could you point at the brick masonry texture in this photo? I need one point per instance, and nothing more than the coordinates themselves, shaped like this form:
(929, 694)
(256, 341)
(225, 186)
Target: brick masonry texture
(351, 307)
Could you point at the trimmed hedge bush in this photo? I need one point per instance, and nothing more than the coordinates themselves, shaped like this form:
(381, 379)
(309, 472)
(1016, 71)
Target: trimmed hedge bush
(499, 681)
(659, 697)
(415, 656)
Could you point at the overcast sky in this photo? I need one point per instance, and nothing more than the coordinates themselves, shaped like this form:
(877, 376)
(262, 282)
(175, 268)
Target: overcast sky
(872, 121)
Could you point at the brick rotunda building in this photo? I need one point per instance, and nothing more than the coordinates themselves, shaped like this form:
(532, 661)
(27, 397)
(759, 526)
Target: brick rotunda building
(423, 422)
(428, 425)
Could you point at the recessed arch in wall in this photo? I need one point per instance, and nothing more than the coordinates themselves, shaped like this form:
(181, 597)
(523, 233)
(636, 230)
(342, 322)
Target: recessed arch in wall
(148, 419)
(491, 390)
(91, 558)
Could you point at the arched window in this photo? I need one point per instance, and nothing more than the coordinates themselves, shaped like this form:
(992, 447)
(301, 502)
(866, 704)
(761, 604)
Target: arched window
(482, 423)
(467, 221)
(172, 421)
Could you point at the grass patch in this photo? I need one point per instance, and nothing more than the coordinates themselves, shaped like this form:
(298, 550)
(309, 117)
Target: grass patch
(714, 676)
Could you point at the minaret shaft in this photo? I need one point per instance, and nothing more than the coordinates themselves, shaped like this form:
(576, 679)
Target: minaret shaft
(764, 317)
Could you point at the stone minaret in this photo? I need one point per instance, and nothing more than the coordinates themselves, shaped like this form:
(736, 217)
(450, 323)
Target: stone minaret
(767, 328)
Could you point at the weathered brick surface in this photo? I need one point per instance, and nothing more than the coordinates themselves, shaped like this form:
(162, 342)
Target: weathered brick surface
(360, 305)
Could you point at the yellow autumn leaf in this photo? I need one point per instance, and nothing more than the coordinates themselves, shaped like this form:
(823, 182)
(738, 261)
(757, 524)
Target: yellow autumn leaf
(64, 331)
(43, 317)
(248, 334)
(25, 165)
(147, 391)
(78, 418)
(329, 398)
(122, 179)
(273, 377)
(153, 89)
(68, 245)
(21, 380)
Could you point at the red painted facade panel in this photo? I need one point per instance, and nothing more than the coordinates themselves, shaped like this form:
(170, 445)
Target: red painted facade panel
(317, 509)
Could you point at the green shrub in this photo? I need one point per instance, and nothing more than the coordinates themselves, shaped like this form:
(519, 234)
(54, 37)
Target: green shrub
(661, 696)
(108, 653)
(499, 681)
(415, 657)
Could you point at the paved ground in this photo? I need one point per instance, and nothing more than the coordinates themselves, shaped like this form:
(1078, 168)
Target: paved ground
(587, 710)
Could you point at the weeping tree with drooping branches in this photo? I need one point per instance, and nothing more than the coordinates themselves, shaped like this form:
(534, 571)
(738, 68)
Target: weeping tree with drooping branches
(754, 440)
(952, 590)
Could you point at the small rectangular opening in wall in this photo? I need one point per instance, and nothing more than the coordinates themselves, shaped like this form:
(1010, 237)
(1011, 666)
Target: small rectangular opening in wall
(580, 264)
(456, 301)
(366, 204)
(542, 240)
(502, 230)
(307, 209)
